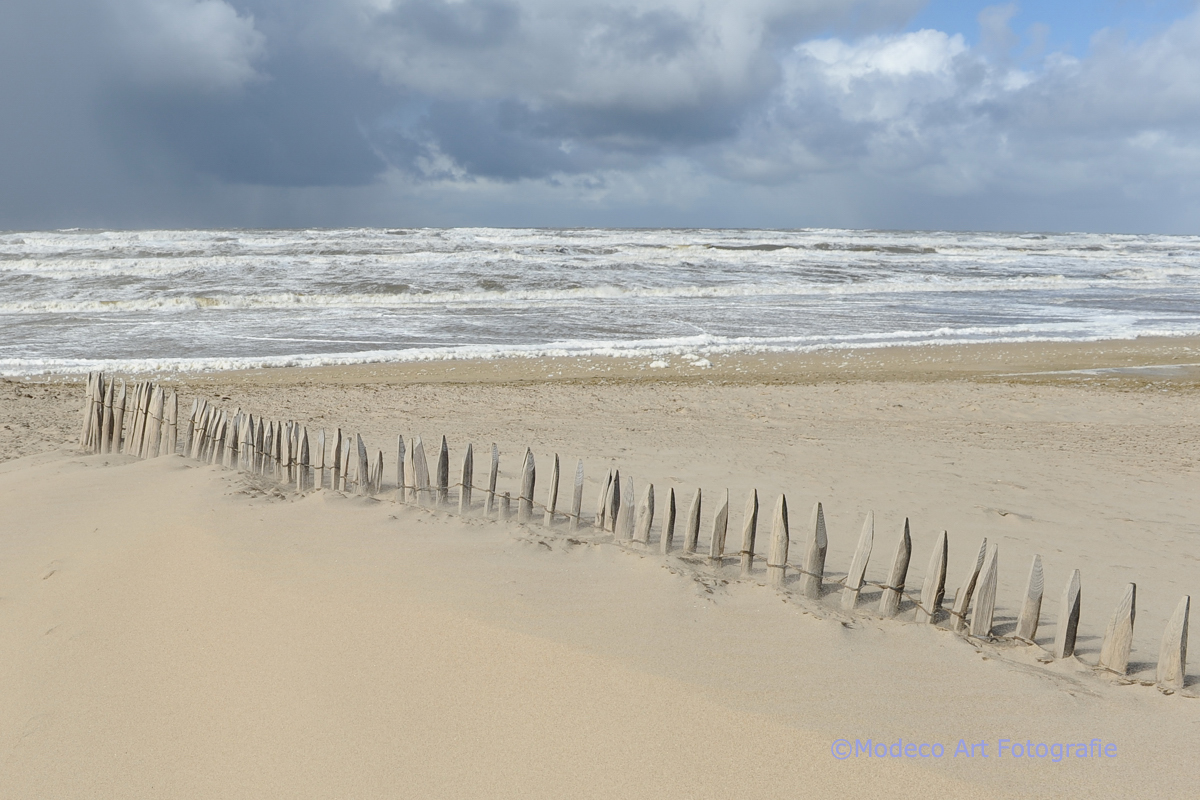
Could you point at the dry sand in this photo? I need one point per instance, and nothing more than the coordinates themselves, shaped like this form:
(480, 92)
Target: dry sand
(175, 630)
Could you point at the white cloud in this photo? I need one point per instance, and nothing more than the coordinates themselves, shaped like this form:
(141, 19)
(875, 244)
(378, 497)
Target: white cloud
(197, 44)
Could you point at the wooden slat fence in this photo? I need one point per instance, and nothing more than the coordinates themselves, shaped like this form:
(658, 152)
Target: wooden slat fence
(143, 421)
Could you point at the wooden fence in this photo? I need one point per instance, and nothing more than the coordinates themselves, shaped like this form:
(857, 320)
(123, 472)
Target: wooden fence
(146, 425)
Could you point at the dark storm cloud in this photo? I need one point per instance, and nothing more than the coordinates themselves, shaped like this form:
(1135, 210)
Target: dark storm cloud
(152, 112)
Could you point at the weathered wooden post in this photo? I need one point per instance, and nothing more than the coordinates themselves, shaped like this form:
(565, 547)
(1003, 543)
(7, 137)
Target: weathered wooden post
(260, 443)
(777, 558)
(421, 473)
(1068, 619)
(623, 510)
(319, 468)
(410, 469)
(151, 429)
(749, 532)
(691, 534)
(645, 516)
(893, 591)
(858, 564)
(106, 420)
(962, 598)
(933, 589)
(96, 421)
(985, 600)
(287, 452)
(493, 472)
(624, 530)
(1031, 607)
(219, 450)
(135, 420)
(552, 495)
(577, 498)
(814, 559)
(267, 462)
(1118, 638)
(377, 474)
(171, 443)
(347, 447)
(716, 544)
(525, 501)
(364, 467)
(1172, 655)
(401, 478)
(468, 477)
(443, 475)
(602, 502)
(302, 474)
(118, 431)
(88, 410)
(667, 537)
(505, 506)
(251, 447)
(614, 501)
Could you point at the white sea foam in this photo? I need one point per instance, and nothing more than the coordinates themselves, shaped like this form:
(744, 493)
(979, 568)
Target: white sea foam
(201, 300)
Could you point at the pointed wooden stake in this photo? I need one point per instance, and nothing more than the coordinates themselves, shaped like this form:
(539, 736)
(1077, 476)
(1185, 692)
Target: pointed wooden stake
(1031, 608)
(858, 564)
(962, 598)
(1172, 656)
(364, 466)
(492, 473)
(627, 511)
(88, 410)
(528, 476)
(624, 513)
(893, 591)
(985, 598)
(319, 468)
(716, 543)
(667, 538)
(153, 439)
(401, 473)
(347, 447)
(551, 495)
(106, 420)
(777, 557)
(443, 474)
(645, 516)
(749, 533)
(303, 473)
(814, 559)
(614, 502)
(602, 502)
(335, 481)
(934, 587)
(421, 474)
(118, 430)
(468, 476)
(260, 436)
(377, 473)
(691, 534)
(576, 498)
(1118, 638)
(171, 436)
(1068, 618)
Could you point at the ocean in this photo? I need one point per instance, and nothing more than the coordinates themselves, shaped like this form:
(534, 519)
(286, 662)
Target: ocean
(195, 300)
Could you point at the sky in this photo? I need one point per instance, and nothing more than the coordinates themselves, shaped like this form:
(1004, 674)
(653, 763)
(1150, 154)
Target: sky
(900, 114)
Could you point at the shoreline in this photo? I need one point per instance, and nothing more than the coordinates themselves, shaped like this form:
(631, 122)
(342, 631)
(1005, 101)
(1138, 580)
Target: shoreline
(1150, 360)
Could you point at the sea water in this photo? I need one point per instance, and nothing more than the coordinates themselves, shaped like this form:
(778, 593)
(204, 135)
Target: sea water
(137, 301)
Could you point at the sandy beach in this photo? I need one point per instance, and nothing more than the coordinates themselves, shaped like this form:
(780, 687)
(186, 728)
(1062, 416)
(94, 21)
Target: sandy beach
(171, 629)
